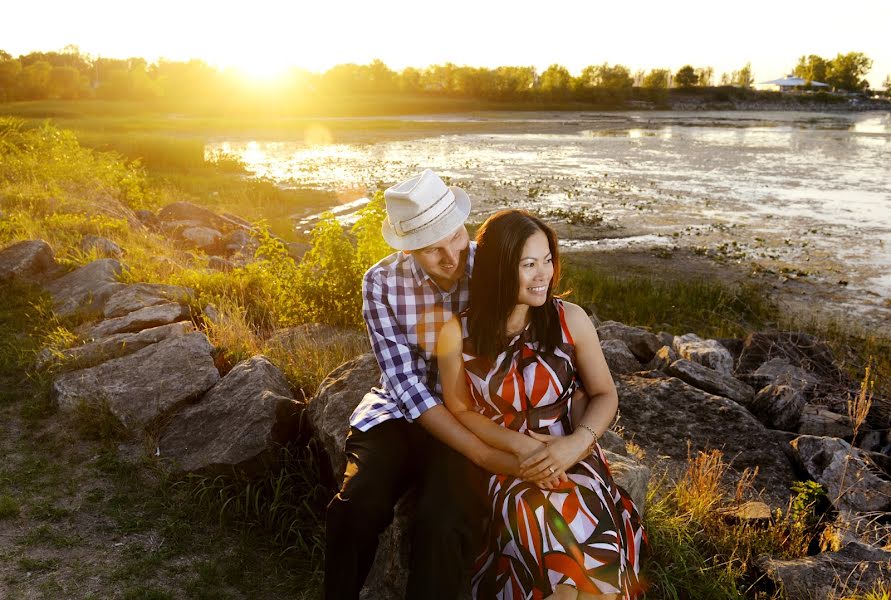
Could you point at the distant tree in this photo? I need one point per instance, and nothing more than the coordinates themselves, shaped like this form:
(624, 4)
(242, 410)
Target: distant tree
(686, 77)
(887, 84)
(409, 80)
(848, 71)
(66, 83)
(514, 82)
(381, 79)
(638, 77)
(10, 69)
(4, 55)
(743, 78)
(657, 79)
(812, 68)
(704, 76)
(34, 80)
(440, 79)
(725, 79)
(556, 82)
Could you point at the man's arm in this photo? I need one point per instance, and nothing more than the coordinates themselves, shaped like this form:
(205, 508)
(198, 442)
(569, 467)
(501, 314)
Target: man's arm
(405, 371)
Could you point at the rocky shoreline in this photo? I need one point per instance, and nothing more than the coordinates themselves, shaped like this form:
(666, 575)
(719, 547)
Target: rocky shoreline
(774, 403)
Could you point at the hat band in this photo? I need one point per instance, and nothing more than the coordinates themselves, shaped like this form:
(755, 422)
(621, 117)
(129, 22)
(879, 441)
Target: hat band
(427, 216)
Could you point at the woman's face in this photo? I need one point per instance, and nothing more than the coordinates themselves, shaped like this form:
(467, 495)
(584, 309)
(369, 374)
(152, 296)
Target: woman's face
(535, 270)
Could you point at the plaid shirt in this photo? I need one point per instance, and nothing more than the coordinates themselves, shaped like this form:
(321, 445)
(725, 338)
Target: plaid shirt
(404, 310)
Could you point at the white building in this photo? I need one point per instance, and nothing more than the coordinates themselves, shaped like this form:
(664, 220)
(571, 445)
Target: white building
(790, 83)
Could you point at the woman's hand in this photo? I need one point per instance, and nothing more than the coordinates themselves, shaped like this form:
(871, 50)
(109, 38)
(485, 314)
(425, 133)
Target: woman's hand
(554, 457)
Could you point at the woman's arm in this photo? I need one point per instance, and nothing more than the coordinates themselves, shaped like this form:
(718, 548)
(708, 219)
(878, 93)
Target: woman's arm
(603, 400)
(457, 396)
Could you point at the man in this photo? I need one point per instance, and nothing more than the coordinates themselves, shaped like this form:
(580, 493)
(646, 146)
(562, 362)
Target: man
(402, 434)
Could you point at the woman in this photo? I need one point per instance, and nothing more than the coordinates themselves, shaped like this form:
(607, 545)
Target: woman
(509, 366)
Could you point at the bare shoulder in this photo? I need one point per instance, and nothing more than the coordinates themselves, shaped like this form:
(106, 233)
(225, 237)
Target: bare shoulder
(450, 337)
(578, 320)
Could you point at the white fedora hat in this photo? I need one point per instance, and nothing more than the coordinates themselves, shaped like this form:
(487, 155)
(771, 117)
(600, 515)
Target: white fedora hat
(423, 210)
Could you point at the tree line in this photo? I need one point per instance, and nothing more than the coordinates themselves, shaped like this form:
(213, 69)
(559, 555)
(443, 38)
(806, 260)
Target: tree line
(70, 75)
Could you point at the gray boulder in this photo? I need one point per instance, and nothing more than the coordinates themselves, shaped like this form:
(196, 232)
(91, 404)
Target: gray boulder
(820, 421)
(852, 483)
(779, 406)
(671, 419)
(632, 475)
(113, 346)
(799, 349)
(186, 212)
(852, 571)
(139, 295)
(144, 318)
(641, 342)
(87, 288)
(779, 371)
(145, 385)
(102, 245)
(619, 357)
(218, 263)
(204, 238)
(710, 380)
(237, 425)
(26, 260)
(709, 353)
(662, 359)
(239, 242)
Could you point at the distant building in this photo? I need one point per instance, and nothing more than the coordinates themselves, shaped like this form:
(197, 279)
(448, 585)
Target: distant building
(790, 83)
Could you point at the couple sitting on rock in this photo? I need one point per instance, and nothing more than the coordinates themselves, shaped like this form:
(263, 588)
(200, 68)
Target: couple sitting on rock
(493, 395)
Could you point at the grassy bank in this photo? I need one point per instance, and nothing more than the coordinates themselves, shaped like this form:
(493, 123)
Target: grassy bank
(86, 512)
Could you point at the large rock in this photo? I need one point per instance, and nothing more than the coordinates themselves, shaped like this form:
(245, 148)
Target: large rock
(26, 260)
(779, 406)
(145, 385)
(852, 571)
(102, 245)
(709, 353)
(852, 483)
(799, 349)
(237, 425)
(618, 357)
(87, 288)
(139, 295)
(710, 380)
(188, 213)
(670, 419)
(820, 421)
(144, 318)
(779, 371)
(205, 238)
(642, 343)
(632, 475)
(662, 359)
(113, 346)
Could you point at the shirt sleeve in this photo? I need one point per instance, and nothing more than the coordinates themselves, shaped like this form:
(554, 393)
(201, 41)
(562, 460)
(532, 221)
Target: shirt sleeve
(403, 368)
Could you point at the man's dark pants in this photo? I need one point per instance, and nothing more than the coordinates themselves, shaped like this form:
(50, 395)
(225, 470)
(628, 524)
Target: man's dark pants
(382, 463)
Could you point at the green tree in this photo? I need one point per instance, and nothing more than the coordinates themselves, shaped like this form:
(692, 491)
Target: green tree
(812, 68)
(743, 78)
(704, 76)
(848, 71)
(686, 77)
(66, 83)
(10, 69)
(657, 79)
(556, 82)
(887, 84)
(34, 80)
(409, 80)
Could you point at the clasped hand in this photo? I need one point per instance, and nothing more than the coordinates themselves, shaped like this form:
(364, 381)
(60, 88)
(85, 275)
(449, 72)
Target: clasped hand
(547, 462)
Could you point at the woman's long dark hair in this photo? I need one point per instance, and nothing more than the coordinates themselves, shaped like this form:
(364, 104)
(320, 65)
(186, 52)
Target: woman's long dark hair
(495, 283)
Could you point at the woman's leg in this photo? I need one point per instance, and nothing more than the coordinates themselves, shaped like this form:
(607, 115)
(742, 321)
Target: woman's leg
(587, 596)
(567, 592)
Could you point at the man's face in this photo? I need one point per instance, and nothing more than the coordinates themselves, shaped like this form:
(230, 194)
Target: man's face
(445, 260)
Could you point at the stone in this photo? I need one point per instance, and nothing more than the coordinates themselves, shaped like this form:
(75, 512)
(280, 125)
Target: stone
(632, 475)
(149, 219)
(779, 371)
(102, 245)
(144, 318)
(662, 359)
(204, 238)
(852, 483)
(236, 426)
(26, 260)
(619, 357)
(139, 295)
(641, 342)
(853, 570)
(143, 386)
(192, 213)
(296, 250)
(666, 339)
(113, 346)
(778, 406)
(239, 241)
(710, 380)
(819, 421)
(218, 263)
(87, 288)
(799, 349)
(708, 353)
(672, 420)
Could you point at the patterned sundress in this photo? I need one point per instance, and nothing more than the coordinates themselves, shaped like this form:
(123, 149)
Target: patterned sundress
(587, 533)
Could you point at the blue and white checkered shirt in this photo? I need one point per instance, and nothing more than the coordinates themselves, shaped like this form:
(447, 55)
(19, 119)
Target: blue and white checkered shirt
(404, 310)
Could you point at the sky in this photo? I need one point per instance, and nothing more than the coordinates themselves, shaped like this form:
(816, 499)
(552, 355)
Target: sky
(264, 37)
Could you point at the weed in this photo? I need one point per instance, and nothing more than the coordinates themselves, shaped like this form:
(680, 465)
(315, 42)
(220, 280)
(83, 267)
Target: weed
(9, 507)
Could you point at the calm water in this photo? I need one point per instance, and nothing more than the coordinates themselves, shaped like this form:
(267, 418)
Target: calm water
(806, 193)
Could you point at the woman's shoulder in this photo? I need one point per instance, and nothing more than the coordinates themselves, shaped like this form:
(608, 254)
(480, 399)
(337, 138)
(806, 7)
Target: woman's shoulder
(576, 318)
(451, 336)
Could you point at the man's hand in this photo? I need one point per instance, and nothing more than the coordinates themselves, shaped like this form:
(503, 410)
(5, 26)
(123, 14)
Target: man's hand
(554, 457)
